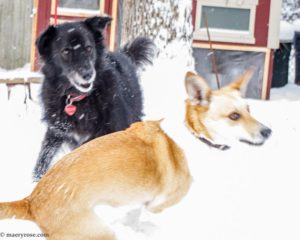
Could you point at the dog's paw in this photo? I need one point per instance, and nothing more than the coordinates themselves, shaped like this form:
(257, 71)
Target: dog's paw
(223, 147)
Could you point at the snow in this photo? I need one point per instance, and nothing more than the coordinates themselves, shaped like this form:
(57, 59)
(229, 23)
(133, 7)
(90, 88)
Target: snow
(290, 10)
(77, 46)
(163, 29)
(23, 72)
(289, 92)
(296, 25)
(249, 193)
(286, 32)
(71, 30)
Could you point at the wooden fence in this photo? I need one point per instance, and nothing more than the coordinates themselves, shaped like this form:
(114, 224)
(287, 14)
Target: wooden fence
(15, 32)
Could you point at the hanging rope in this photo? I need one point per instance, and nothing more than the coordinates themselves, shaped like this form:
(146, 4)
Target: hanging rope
(213, 58)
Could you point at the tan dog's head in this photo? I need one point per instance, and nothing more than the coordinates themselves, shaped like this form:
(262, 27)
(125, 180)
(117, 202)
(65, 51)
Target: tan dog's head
(221, 117)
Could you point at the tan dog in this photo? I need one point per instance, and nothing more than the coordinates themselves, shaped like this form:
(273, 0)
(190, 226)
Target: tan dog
(140, 165)
(222, 117)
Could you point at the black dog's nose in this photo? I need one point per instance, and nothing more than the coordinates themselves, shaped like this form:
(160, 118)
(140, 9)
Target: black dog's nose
(266, 132)
(87, 75)
(86, 71)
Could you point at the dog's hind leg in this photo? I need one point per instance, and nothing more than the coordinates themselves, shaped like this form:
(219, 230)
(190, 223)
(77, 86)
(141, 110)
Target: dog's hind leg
(162, 202)
(51, 143)
(82, 226)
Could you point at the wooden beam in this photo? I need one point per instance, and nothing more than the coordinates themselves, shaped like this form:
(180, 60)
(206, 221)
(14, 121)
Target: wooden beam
(42, 15)
(33, 53)
(29, 80)
(230, 47)
(266, 80)
(113, 26)
(102, 7)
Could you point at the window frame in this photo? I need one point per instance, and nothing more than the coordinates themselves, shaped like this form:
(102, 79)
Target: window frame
(74, 12)
(223, 35)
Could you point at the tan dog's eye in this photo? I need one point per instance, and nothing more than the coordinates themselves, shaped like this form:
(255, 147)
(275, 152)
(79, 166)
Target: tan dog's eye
(234, 116)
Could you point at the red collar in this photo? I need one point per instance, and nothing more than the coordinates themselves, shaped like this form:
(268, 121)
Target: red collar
(75, 98)
(71, 109)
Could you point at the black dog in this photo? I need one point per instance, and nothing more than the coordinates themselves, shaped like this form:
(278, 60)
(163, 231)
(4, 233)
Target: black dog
(87, 91)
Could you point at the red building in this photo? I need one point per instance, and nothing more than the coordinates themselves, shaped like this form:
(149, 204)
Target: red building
(243, 34)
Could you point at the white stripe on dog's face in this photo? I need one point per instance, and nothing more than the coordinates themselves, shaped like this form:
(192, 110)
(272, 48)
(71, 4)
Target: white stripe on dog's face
(81, 84)
(226, 129)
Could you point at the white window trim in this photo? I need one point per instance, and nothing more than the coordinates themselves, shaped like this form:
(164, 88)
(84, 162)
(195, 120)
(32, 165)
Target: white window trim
(274, 26)
(221, 35)
(61, 11)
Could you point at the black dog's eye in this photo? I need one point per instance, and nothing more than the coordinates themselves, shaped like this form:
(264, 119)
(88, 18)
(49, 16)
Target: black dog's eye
(88, 49)
(66, 51)
(234, 116)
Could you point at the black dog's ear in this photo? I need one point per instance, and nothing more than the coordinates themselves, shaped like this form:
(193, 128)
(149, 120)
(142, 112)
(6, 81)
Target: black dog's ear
(97, 24)
(44, 40)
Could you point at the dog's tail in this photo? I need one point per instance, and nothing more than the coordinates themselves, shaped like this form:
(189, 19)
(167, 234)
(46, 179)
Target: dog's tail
(141, 51)
(18, 209)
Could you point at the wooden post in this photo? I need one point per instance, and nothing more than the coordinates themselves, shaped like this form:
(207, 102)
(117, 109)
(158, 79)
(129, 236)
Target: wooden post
(42, 13)
(113, 27)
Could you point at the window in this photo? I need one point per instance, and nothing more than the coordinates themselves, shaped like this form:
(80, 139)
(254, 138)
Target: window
(228, 20)
(78, 8)
(231, 64)
(89, 4)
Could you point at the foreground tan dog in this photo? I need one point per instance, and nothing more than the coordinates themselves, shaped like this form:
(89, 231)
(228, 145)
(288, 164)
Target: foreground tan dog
(140, 165)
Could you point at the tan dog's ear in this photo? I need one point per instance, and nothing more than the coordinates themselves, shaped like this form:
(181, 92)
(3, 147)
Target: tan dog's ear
(241, 83)
(197, 88)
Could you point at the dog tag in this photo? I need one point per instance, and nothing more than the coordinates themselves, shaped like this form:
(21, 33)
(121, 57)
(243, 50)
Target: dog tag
(70, 110)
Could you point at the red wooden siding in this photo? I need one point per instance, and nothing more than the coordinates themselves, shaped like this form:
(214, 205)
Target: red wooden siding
(42, 22)
(262, 23)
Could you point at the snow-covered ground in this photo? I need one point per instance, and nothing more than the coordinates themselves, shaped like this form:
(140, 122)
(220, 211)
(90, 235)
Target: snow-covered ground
(23, 72)
(245, 193)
